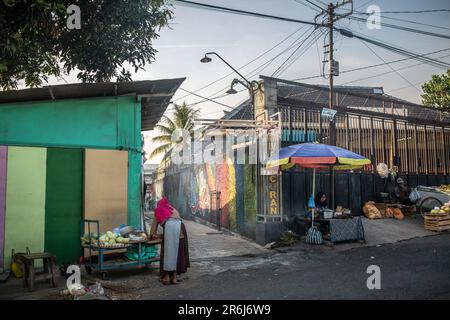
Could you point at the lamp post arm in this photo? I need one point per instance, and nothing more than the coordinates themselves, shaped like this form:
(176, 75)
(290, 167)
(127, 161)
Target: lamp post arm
(229, 65)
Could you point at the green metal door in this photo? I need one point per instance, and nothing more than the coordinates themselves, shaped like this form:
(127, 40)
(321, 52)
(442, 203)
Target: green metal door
(64, 203)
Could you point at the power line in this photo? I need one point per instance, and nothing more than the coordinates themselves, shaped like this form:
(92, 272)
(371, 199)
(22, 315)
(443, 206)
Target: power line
(398, 73)
(389, 72)
(263, 66)
(245, 65)
(197, 95)
(306, 5)
(372, 66)
(298, 48)
(407, 29)
(299, 54)
(243, 12)
(393, 48)
(314, 4)
(419, 11)
(403, 20)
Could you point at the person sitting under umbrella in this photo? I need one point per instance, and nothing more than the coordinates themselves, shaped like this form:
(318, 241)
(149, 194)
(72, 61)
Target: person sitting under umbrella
(321, 201)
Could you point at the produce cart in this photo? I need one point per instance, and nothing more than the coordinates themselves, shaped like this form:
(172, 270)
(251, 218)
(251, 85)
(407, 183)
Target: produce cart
(103, 258)
(427, 198)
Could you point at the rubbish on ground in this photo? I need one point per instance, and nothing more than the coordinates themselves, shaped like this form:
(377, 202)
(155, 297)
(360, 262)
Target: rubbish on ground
(77, 289)
(287, 239)
(96, 289)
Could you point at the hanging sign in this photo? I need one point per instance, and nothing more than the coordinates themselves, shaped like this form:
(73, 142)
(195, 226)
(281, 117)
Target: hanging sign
(328, 113)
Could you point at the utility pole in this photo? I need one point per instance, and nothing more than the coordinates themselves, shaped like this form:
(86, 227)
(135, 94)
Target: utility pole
(333, 69)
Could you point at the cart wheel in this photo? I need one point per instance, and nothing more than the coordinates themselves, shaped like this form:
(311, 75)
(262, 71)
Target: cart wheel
(104, 275)
(88, 269)
(428, 204)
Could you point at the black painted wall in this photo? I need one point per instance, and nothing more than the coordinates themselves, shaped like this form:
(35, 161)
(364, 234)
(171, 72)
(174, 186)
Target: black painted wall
(352, 190)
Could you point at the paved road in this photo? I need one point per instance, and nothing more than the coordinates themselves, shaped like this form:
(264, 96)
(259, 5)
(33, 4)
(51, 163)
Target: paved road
(412, 269)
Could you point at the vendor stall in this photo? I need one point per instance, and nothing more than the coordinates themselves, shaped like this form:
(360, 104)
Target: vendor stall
(340, 225)
(123, 248)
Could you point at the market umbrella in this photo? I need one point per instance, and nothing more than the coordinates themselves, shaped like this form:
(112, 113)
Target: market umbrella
(316, 156)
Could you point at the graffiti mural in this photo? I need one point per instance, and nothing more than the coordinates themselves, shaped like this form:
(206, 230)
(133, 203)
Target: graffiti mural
(192, 191)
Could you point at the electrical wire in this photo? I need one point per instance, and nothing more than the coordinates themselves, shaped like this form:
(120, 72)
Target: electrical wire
(384, 61)
(407, 29)
(389, 72)
(298, 48)
(402, 20)
(398, 50)
(245, 65)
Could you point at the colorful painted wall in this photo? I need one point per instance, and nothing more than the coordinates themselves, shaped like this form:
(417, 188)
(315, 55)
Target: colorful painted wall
(191, 192)
(45, 192)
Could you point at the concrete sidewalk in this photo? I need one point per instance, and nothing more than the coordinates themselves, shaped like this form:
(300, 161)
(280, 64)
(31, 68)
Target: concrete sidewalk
(382, 231)
(207, 243)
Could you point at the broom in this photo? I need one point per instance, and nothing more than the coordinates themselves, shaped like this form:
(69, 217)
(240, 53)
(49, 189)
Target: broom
(313, 235)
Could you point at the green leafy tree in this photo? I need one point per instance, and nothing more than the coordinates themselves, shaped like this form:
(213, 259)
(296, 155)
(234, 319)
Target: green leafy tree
(36, 43)
(182, 118)
(436, 92)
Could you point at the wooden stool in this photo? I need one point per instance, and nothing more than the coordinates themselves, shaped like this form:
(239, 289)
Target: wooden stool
(29, 272)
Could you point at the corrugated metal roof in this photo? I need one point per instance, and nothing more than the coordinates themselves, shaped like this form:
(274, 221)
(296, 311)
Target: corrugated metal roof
(156, 95)
(349, 96)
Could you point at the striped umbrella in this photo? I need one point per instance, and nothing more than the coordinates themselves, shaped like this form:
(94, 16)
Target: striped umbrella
(316, 156)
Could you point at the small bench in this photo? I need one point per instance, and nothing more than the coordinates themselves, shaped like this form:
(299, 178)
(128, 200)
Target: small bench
(29, 272)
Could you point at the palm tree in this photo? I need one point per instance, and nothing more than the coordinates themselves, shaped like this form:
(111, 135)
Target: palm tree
(183, 118)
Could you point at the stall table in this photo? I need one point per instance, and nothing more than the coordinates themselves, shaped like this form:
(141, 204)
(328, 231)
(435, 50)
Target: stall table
(340, 229)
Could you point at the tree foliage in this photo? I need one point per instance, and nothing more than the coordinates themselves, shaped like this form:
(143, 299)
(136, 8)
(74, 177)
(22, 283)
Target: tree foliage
(183, 118)
(115, 35)
(436, 92)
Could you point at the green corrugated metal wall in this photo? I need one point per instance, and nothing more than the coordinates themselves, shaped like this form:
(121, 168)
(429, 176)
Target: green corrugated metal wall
(100, 123)
(64, 203)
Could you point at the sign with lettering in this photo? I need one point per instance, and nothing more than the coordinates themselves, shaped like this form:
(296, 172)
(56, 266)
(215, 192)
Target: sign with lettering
(328, 113)
(273, 195)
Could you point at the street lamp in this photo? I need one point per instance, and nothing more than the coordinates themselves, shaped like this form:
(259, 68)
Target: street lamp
(207, 59)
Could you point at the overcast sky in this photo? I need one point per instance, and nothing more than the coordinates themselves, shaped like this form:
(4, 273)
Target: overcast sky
(240, 39)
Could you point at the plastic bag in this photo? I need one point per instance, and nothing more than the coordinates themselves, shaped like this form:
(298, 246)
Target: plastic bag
(414, 195)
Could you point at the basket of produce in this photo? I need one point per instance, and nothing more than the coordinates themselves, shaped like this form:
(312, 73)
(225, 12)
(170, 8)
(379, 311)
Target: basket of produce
(444, 188)
(438, 219)
(89, 239)
(113, 240)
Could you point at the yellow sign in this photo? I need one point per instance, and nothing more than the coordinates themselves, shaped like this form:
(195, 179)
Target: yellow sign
(273, 195)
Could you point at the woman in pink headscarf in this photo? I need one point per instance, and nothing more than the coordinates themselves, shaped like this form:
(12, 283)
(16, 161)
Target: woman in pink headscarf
(174, 255)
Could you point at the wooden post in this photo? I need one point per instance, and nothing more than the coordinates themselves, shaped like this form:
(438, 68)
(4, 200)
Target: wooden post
(290, 124)
(395, 136)
(407, 146)
(347, 129)
(359, 135)
(372, 146)
(384, 142)
(305, 113)
(427, 167)
(416, 136)
(320, 128)
(435, 151)
(444, 145)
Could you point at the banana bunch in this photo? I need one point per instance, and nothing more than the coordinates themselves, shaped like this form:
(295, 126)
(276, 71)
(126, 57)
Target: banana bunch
(445, 188)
